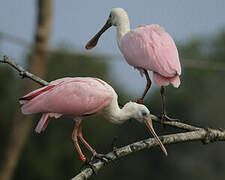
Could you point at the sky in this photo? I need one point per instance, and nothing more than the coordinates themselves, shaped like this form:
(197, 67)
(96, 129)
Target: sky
(76, 21)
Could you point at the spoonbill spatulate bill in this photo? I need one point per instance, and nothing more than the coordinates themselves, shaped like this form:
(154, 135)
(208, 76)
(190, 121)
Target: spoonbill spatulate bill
(146, 47)
(83, 98)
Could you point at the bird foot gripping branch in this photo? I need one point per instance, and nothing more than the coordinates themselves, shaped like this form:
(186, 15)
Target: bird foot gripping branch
(164, 117)
(90, 163)
(101, 157)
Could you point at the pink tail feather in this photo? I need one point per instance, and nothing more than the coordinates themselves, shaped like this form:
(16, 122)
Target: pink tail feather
(35, 93)
(45, 118)
(164, 81)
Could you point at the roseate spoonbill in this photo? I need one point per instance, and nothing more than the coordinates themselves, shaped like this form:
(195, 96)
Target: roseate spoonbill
(145, 48)
(80, 98)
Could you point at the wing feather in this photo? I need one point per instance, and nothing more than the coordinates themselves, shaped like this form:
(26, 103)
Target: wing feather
(76, 97)
(151, 48)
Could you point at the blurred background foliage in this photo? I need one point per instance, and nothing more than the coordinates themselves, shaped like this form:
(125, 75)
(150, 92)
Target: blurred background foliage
(199, 101)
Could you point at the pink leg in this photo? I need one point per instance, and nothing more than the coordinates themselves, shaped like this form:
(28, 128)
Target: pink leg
(80, 135)
(148, 85)
(75, 140)
(163, 97)
(95, 154)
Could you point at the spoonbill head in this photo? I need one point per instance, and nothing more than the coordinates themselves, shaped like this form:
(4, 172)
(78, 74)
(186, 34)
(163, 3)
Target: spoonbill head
(79, 98)
(146, 47)
(141, 113)
(118, 17)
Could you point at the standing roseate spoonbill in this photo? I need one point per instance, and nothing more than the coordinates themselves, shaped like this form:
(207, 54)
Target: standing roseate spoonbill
(80, 98)
(145, 48)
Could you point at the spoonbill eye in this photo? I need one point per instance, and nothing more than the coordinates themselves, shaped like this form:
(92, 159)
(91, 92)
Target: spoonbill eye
(144, 114)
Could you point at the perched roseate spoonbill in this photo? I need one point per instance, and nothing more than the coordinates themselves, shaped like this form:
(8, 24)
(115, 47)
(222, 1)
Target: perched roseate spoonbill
(80, 98)
(145, 48)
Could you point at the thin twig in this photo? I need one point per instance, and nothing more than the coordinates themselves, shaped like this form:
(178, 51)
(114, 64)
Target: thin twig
(175, 124)
(22, 72)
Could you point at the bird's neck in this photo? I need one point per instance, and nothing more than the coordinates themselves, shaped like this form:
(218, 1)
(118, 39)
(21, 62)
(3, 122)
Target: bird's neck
(117, 115)
(122, 28)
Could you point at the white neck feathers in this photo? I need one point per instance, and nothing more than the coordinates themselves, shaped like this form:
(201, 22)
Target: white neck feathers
(122, 28)
(116, 115)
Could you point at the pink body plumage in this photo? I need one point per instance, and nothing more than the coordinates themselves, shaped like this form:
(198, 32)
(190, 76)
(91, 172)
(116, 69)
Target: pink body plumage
(75, 97)
(151, 48)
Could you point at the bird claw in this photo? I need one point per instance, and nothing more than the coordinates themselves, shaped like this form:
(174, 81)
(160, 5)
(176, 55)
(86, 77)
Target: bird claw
(101, 157)
(167, 118)
(89, 164)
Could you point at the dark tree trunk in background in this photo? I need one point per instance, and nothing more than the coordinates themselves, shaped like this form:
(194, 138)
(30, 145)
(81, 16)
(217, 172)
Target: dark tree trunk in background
(21, 124)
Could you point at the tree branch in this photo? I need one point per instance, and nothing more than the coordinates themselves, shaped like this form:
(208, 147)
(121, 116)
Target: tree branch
(175, 124)
(204, 135)
(22, 72)
(196, 133)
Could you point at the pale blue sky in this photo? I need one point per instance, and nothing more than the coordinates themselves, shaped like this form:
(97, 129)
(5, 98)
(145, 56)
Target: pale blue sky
(76, 21)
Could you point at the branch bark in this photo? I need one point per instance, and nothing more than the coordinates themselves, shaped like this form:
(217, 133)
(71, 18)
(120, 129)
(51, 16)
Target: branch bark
(204, 135)
(21, 124)
(175, 124)
(22, 72)
(195, 133)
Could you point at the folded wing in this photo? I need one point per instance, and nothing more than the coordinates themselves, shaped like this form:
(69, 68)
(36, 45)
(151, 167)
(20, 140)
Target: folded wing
(74, 96)
(151, 48)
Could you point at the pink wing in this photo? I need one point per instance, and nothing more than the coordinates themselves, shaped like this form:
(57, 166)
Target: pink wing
(35, 93)
(71, 96)
(151, 48)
